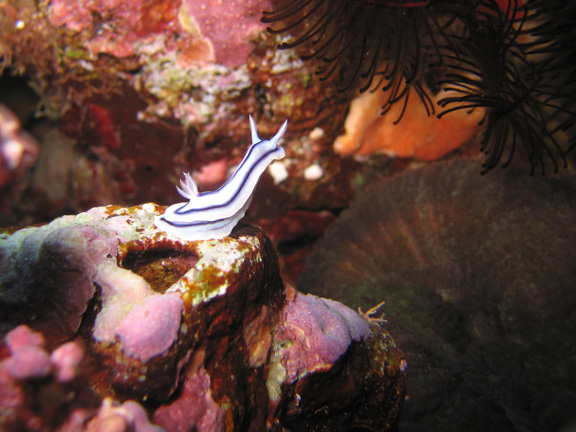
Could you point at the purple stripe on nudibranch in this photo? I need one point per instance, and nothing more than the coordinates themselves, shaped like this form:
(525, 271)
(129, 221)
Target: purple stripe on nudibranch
(214, 214)
(241, 185)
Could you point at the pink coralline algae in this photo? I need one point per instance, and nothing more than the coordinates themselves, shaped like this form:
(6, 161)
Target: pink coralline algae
(156, 312)
(150, 333)
(35, 385)
(320, 331)
(129, 416)
(28, 358)
(195, 406)
(67, 360)
(228, 24)
(25, 372)
(224, 27)
(125, 21)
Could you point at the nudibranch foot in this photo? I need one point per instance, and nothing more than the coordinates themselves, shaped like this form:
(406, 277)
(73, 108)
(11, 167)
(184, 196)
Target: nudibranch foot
(204, 229)
(214, 214)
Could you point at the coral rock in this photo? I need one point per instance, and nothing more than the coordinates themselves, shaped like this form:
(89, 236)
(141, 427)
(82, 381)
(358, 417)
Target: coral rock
(228, 25)
(67, 361)
(147, 90)
(200, 333)
(28, 363)
(130, 416)
(320, 331)
(30, 397)
(195, 406)
(480, 287)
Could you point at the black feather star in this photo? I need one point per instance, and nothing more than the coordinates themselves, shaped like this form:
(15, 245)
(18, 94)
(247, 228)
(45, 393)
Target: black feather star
(364, 45)
(515, 58)
(529, 96)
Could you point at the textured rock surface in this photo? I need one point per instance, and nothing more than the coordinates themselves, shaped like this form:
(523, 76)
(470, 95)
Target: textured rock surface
(480, 287)
(142, 92)
(121, 311)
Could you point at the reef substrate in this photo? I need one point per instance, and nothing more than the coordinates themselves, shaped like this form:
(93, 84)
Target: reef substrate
(480, 287)
(109, 322)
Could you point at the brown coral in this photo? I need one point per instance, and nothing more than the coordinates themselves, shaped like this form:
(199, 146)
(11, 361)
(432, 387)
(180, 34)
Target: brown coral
(479, 283)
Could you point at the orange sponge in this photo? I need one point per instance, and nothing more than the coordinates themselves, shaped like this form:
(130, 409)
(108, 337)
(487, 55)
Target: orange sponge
(417, 135)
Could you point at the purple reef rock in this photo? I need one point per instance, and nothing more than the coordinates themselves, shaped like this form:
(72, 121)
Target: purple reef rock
(111, 324)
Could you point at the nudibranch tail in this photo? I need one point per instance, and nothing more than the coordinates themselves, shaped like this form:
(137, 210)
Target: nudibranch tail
(214, 214)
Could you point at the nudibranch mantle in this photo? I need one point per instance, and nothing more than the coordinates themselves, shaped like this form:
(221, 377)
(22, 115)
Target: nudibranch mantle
(214, 214)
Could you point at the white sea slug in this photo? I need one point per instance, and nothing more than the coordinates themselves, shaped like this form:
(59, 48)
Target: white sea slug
(214, 214)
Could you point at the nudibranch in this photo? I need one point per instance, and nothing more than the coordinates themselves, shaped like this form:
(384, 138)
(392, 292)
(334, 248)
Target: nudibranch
(214, 214)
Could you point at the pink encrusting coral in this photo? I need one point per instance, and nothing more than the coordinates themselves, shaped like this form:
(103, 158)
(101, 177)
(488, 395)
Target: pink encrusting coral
(128, 24)
(151, 328)
(113, 417)
(194, 408)
(67, 361)
(28, 359)
(228, 24)
(36, 386)
(320, 331)
(225, 28)
(22, 337)
(31, 388)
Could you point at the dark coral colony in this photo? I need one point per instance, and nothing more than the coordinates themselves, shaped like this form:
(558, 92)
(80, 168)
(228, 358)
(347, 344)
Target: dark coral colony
(374, 227)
